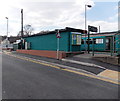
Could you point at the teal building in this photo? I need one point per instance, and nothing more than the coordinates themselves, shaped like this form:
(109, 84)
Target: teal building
(69, 41)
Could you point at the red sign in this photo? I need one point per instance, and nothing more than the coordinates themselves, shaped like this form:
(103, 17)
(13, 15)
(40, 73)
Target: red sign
(58, 34)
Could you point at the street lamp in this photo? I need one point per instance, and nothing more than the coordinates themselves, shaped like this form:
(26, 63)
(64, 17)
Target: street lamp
(7, 25)
(86, 24)
(7, 32)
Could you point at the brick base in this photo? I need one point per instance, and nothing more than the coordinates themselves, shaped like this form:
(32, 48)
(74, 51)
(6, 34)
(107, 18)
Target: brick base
(44, 53)
(109, 59)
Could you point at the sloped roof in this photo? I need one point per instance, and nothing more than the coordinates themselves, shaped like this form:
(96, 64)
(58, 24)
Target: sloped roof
(67, 29)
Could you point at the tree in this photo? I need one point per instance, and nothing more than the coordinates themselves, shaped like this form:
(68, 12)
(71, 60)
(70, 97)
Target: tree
(28, 29)
(19, 34)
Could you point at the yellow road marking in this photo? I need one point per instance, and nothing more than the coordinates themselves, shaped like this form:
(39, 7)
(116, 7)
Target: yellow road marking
(36, 62)
(76, 72)
(110, 74)
(92, 76)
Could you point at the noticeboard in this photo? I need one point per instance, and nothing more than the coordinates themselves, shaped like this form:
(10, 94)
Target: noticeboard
(76, 38)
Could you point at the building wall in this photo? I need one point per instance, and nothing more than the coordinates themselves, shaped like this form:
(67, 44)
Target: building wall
(114, 44)
(49, 42)
(97, 47)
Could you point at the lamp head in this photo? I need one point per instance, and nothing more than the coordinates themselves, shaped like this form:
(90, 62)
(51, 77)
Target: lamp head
(89, 6)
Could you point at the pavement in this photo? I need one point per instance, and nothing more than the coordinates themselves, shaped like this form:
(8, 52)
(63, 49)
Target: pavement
(108, 70)
(83, 63)
(89, 59)
(32, 77)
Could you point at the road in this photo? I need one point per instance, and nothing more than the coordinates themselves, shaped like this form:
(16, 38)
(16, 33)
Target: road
(23, 79)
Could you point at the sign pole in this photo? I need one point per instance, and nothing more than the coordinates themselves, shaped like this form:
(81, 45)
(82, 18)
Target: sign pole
(93, 47)
(88, 41)
(57, 48)
(92, 29)
(58, 43)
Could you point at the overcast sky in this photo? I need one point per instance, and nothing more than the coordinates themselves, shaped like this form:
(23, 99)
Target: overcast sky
(54, 14)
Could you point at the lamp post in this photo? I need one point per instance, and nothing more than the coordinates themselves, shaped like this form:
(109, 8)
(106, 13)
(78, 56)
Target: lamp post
(7, 25)
(86, 24)
(7, 33)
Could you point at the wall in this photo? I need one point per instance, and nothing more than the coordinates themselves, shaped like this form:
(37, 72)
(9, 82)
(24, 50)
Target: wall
(49, 42)
(44, 53)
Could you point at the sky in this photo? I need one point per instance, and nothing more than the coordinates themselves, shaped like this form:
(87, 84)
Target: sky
(46, 15)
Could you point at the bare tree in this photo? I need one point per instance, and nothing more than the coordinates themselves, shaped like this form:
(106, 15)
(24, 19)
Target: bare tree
(19, 34)
(28, 29)
(43, 32)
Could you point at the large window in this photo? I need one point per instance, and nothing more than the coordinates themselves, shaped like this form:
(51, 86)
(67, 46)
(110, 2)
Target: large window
(76, 39)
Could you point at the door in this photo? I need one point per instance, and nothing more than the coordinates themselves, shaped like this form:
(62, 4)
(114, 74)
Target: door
(109, 43)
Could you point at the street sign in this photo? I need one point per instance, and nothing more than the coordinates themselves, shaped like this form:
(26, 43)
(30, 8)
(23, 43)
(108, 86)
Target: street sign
(92, 28)
(58, 34)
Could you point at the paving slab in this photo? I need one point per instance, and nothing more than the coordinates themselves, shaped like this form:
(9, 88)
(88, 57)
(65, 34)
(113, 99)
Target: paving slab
(110, 74)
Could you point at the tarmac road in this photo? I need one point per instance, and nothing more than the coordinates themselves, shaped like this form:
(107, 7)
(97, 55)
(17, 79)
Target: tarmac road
(23, 79)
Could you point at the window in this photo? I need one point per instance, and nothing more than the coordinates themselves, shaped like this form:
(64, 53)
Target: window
(99, 41)
(82, 41)
(76, 39)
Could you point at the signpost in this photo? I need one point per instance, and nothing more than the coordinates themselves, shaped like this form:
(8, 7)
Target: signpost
(92, 29)
(58, 43)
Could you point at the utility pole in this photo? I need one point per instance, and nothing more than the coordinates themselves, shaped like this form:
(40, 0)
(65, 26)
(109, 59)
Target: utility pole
(21, 22)
(21, 28)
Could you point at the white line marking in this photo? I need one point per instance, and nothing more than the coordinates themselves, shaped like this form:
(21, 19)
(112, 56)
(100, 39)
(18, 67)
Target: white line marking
(55, 64)
(63, 66)
(83, 63)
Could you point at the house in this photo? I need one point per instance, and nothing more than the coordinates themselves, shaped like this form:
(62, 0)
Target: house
(7, 42)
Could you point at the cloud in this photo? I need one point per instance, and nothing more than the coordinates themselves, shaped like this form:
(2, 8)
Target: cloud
(105, 26)
(114, 17)
(47, 15)
(105, 0)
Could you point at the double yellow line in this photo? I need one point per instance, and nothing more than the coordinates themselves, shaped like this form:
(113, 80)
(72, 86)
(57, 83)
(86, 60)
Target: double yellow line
(68, 70)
